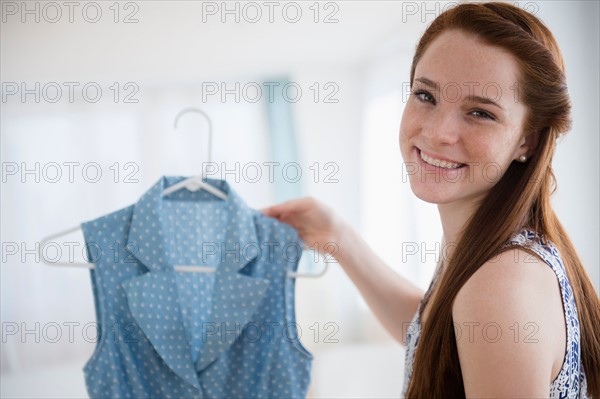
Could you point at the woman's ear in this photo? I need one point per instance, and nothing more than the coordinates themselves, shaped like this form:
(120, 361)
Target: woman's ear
(530, 142)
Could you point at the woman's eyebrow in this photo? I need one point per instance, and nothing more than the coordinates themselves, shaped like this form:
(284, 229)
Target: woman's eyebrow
(428, 82)
(473, 98)
(483, 100)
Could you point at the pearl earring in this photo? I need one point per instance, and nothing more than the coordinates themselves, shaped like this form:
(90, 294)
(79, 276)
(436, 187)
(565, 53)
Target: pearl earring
(522, 158)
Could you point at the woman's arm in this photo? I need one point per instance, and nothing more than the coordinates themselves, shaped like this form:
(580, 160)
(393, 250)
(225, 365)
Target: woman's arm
(509, 323)
(392, 298)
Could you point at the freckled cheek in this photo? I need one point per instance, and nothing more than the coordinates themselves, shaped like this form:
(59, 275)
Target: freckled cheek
(486, 157)
(406, 133)
(410, 123)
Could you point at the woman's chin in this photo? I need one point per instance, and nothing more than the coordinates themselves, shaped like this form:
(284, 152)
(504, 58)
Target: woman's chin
(432, 196)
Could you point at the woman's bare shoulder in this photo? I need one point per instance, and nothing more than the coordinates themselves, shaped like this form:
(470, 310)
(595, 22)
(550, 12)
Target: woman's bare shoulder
(504, 328)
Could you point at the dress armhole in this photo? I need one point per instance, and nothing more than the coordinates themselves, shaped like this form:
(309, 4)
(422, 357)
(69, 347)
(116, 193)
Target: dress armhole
(99, 305)
(292, 330)
(563, 299)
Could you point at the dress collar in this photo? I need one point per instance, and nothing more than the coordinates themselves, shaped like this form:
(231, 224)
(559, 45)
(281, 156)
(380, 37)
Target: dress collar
(147, 237)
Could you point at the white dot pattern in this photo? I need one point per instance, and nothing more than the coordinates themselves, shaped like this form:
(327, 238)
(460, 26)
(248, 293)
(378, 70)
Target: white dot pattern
(231, 333)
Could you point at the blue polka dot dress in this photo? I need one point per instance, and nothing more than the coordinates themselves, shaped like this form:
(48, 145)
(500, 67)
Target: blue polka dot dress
(163, 333)
(571, 381)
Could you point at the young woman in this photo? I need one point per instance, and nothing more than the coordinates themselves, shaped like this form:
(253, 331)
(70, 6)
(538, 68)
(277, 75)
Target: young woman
(510, 311)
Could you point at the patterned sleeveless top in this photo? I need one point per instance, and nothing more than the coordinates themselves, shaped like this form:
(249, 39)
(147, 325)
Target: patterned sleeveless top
(571, 380)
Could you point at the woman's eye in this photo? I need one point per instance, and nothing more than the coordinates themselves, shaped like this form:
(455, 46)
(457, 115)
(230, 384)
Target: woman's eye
(426, 97)
(423, 96)
(483, 114)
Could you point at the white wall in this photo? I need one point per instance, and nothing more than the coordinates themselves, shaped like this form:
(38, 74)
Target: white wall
(576, 162)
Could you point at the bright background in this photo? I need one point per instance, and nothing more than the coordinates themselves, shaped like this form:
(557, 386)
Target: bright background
(345, 141)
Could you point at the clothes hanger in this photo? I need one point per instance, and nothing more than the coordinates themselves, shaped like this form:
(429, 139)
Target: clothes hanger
(185, 269)
(193, 183)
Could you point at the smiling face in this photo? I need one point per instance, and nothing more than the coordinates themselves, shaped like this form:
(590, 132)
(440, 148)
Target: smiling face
(450, 122)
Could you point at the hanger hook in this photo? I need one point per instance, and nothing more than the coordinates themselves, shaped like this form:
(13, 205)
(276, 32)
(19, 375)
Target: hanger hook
(196, 110)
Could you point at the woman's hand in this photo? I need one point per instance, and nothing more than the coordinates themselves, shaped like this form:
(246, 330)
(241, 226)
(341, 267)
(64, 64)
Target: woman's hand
(316, 223)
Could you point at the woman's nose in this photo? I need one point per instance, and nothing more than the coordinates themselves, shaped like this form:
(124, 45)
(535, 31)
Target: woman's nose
(442, 127)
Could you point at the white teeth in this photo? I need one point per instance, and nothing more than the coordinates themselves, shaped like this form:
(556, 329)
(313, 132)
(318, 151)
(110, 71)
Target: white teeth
(439, 163)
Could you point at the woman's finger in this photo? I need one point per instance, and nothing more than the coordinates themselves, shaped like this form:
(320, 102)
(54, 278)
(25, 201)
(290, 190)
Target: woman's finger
(268, 211)
(278, 209)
